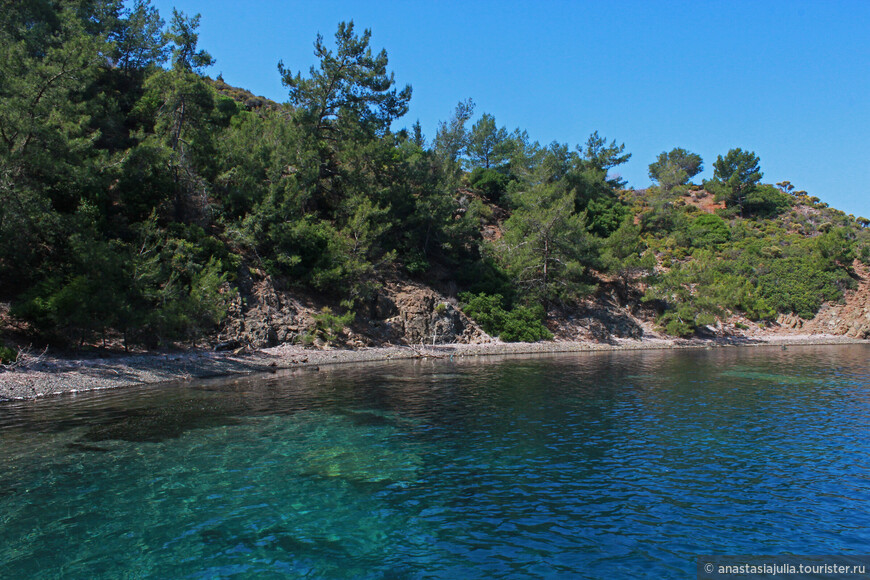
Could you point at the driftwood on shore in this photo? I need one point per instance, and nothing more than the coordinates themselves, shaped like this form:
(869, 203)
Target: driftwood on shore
(421, 352)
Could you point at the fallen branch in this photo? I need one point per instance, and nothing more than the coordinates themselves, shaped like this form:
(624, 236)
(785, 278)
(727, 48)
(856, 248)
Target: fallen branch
(25, 359)
(420, 352)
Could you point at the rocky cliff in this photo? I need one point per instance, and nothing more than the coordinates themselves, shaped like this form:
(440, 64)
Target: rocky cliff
(402, 312)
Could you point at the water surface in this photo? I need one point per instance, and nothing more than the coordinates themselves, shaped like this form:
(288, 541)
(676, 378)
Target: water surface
(591, 465)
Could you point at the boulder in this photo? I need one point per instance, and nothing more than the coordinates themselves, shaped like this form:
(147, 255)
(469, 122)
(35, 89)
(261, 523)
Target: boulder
(424, 316)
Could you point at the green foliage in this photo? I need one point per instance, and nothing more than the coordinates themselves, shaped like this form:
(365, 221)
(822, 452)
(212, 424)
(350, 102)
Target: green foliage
(416, 263)
(760, 271)
(487, 277)
(675, 167)
(8, 355)
(681, 321)
(328, 325)
(798, 284)
(139, 39)
(601, 156)
(523, 324)
(451, 140)
(491, 182)
(488, 146)
(766, 201)
(605, 214)
(520, 324)
(664, 217)
(487, 310)
(145, 181)
(546, 248)
(132, 190)
(594, 188)
(738, 168)
(735, 177)
(48, 61)
(686, 292)
(348, 85)
(708, 231)
(182, 33)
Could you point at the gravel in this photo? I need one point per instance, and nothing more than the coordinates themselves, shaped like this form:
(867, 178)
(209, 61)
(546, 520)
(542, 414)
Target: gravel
(54, 376)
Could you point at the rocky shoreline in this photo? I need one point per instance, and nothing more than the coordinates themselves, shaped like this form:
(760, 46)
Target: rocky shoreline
(54, 376)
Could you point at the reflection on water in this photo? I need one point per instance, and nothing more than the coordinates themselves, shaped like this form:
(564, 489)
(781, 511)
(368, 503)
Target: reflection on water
(598, 465)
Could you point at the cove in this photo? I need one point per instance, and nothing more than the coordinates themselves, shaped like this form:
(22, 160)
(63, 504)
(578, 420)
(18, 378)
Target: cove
(588, 465)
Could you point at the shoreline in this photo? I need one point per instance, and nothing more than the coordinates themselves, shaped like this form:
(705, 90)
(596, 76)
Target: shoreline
(62, 375)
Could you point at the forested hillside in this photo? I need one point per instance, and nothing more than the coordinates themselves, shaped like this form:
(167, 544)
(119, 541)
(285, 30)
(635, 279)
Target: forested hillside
(139, 198)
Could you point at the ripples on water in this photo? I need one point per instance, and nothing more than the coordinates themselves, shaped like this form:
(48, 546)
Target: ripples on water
(585, 466)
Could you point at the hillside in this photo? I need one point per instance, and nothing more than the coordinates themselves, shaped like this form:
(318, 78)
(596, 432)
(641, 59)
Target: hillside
(405, 311)
(146, 206)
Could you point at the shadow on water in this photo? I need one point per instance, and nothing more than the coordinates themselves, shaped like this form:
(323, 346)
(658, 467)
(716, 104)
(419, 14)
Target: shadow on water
(278, 536)
(86, 448)
(154, 425)
(369, 419)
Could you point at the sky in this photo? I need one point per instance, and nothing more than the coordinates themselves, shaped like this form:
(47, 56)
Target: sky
(789, 80)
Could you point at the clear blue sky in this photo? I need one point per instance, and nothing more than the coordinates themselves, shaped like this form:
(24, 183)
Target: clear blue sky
(789, 80)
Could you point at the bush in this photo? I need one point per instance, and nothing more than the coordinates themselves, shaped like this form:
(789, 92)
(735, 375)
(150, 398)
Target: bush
(766, 201)
(709, 230)
(682, 321)
(416, 262)
(524, 324)
(800, 285)
(521, 324)
(8, 355)
(491, 182)
(486, 310)
(328, 325)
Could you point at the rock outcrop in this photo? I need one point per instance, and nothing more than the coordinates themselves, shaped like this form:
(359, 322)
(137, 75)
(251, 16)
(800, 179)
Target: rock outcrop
(599, 323)
(263, 316)
(424, 316)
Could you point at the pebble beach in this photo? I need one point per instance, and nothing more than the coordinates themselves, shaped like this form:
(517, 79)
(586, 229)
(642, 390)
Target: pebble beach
(51, 376)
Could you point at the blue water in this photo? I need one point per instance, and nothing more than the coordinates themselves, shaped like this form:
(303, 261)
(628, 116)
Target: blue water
(598, 465)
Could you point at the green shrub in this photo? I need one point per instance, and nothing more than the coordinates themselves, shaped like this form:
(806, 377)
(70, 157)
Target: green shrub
(524, 324)
(491, 182)
(800, 285)
(708, 231)
(766, 201)
(521, 324)
(487, 310)
(416, 262)
(676, 327)
(681, 321)
(8, 355)
(328, 325)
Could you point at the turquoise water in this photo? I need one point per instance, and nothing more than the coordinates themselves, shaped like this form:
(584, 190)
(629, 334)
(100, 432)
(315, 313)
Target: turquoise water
(610, 465)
